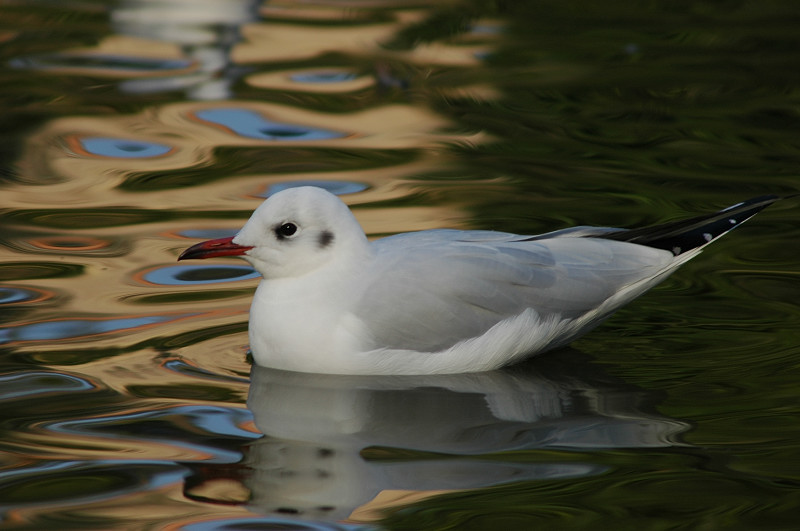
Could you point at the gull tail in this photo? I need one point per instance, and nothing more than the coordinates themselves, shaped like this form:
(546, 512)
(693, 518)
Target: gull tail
(679, 237)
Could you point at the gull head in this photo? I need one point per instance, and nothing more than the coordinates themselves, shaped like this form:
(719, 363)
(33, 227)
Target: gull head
(293, 232)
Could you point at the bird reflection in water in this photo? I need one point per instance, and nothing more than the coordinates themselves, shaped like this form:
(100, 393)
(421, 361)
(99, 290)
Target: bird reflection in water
(346, 448)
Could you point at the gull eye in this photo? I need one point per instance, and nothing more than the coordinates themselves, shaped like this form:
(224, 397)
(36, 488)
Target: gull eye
(285, 230)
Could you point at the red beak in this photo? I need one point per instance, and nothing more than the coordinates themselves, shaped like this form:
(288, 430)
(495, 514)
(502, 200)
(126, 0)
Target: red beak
(211, 248)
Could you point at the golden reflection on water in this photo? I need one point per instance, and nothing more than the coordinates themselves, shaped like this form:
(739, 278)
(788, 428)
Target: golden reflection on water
(56, 152)
(78, 162)
(99, 220)
(93, 180)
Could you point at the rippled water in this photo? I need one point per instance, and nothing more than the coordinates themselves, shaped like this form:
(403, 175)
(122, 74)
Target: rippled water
(133, 129)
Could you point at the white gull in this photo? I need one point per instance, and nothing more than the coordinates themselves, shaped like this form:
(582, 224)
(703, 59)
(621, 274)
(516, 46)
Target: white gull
(439, 301)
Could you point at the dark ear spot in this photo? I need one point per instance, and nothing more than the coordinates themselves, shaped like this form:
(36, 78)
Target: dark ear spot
(325, 239)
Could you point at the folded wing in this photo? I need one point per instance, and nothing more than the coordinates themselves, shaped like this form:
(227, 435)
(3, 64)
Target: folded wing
(456, 285)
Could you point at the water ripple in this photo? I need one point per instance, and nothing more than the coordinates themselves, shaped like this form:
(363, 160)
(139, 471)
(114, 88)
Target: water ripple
(183, 275)
(38, 270)
(334, 187)
(263, 522)
(206, 234)
(330, 81)
(17, 295)
(180, 366)
(78, 328)
(98, 63)
(72, 245)
(211, 420)
(69, 243)
(121, 148)
(199, 431)
(323, 76)
(250, 124)
(79, 482)
(40, 383)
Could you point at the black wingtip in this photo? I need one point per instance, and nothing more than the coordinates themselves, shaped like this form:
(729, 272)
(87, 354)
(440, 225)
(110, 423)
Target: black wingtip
(685, 235)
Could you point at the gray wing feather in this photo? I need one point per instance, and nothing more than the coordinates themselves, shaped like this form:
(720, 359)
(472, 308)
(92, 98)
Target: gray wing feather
(446, 286)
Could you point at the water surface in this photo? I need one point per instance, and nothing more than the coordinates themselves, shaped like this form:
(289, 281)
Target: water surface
(132, 130)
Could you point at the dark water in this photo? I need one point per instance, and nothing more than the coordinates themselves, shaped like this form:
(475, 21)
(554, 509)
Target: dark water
(130, 130)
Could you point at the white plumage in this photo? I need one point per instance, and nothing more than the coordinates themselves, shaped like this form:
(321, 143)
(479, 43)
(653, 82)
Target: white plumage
(440, 301)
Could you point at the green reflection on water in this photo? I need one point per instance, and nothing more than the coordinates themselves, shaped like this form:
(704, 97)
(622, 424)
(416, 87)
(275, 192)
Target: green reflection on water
(270, 159)
(186, 392)
(188, 296)
(202, 334)
(83, 218)
(59, 488)
(626, 499)
(35, 270)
